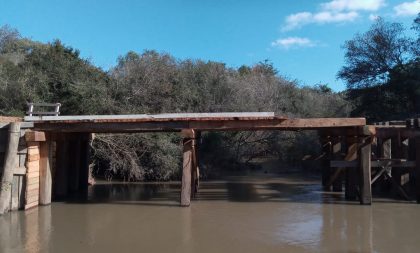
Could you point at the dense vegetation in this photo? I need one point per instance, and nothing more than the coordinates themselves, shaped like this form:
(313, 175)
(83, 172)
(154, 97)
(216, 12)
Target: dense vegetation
(382, 71)
(152, 82)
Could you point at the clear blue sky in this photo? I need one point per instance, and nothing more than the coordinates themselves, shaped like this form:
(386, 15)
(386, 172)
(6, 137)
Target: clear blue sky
(302, 38)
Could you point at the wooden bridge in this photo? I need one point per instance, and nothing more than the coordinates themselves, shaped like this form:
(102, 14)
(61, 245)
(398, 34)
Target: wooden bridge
(56, 149)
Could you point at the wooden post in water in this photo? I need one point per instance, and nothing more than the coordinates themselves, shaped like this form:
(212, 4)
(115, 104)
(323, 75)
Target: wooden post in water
(10, 163)
(187, 165)
(365, 170)
(45, 175)
(34, 140)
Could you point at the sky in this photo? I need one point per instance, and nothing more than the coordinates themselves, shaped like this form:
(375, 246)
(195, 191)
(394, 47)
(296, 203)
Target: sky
(303, 39)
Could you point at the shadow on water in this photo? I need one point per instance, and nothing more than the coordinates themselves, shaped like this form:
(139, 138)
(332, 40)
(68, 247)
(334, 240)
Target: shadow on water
(291, 188)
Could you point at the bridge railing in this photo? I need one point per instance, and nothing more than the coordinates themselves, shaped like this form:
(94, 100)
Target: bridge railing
(44, 109)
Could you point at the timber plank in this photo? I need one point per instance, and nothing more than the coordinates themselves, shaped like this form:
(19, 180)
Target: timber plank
(19, 171)
(31, 205)
(31, 175)
(204, 125)
(375, 163)
(186, 172)
(34, 136)
(31, 187)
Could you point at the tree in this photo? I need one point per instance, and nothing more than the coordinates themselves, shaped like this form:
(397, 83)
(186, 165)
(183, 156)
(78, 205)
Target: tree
(372, 55)
(381, 72)
(416, 43)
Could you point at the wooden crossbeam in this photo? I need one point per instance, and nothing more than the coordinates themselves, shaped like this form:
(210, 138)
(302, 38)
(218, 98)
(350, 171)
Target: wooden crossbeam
(200, 124)
(375, 163)
(400, 132)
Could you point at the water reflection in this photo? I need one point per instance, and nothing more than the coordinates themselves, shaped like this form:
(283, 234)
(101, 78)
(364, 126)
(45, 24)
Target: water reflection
(257, 214)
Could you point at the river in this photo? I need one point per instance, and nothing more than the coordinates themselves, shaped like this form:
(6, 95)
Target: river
(254, 213)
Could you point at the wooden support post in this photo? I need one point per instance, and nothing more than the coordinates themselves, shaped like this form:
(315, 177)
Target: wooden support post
(351, 173)
(45, 176)
(417, 140)
(34, 140)
(187, 168)
(32, 174)
(365, 171)
(10, 163)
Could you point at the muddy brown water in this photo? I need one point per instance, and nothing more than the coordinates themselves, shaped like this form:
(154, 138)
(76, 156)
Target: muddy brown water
(259, 213)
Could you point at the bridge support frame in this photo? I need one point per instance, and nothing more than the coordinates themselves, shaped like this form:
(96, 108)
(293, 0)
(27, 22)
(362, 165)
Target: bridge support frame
(190, 169)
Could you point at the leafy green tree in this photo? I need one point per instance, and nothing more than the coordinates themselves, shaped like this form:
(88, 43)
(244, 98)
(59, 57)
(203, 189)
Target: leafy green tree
(372, 55)
(381, 72)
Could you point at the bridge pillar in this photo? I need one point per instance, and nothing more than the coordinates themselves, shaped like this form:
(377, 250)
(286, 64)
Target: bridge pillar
(189, 166)
(45, 175)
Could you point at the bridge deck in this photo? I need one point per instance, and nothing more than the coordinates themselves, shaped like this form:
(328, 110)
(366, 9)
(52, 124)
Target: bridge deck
(178, 121)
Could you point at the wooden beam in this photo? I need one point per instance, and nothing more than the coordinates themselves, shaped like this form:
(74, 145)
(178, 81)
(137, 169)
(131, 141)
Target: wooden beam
(399, 132)
(32, 175)
(175, 125)
(19, 171)
(365, 172)
(45, 178)
(10, 163)
(348, 131)
(156, 117)
(187, 168)
(6, 119)
(23, 125)
(35, 136)
(375, 163)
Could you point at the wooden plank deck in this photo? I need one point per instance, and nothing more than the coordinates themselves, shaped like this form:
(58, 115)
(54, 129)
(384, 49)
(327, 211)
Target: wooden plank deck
(176, 122)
